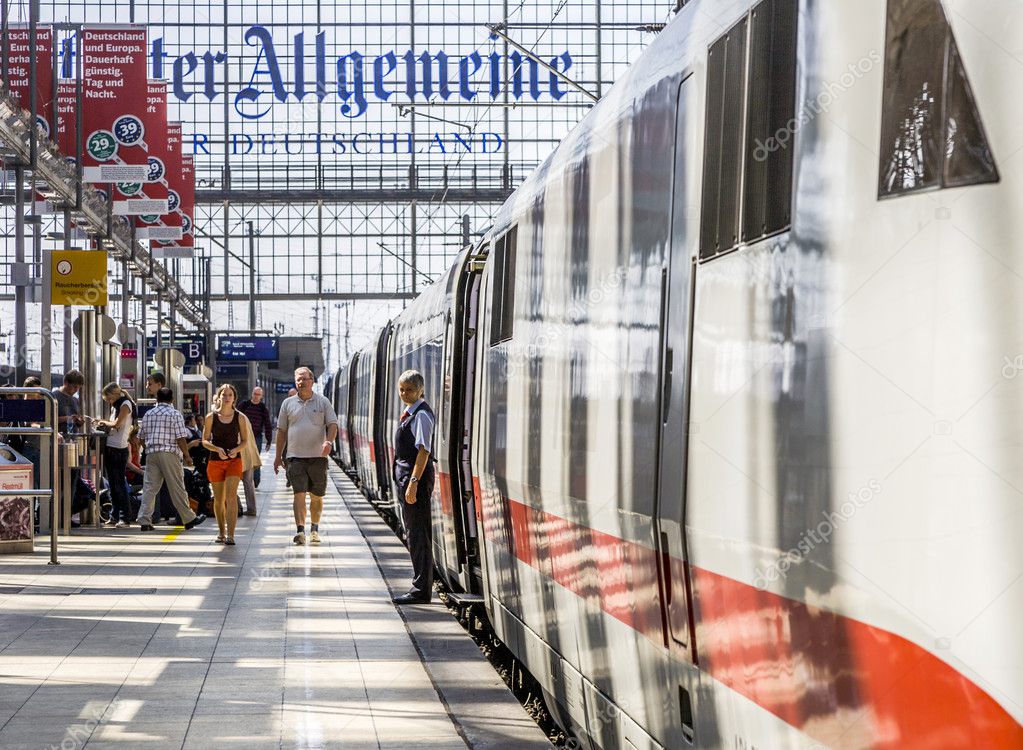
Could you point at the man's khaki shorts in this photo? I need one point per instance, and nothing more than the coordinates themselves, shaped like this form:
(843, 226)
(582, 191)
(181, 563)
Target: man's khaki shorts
(308, 475)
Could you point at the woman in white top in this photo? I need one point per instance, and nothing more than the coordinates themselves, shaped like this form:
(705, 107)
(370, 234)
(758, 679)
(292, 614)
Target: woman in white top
(115, 454)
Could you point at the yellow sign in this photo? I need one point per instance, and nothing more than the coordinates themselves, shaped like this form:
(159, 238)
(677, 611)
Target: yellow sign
(78, 277)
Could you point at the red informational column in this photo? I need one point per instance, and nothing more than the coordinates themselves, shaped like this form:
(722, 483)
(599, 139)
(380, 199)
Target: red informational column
(185, 190)
(137, 198)
(114, 79)
(166, 226)
(18, 69)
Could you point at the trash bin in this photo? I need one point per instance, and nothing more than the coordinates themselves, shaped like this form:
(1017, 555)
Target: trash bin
(16, 521)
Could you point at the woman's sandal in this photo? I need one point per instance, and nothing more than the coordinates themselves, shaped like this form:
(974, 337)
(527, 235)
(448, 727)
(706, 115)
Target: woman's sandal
(229, 540)
(221, 539)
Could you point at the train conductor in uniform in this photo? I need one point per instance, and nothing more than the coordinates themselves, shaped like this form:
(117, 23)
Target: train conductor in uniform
(414, 473)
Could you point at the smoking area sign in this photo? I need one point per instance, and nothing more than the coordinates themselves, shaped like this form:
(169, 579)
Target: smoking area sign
(78, 277)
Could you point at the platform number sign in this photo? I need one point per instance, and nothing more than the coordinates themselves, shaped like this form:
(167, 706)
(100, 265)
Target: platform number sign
(194, 348)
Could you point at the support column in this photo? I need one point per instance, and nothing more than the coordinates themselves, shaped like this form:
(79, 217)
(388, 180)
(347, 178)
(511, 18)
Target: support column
(144, 346)
(126, 288)
(42, 258)
(20, 313)
(413, 245)
(68, 320)
(252, 298)
(600, 50)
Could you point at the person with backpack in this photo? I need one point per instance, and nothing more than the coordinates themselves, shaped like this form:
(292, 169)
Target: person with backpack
(115, 452)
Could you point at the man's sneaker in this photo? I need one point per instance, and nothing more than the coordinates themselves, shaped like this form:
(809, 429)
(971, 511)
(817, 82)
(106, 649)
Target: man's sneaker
(299, 538)
(111, 524)
(122, 525)
(314, 538)
(146, 527)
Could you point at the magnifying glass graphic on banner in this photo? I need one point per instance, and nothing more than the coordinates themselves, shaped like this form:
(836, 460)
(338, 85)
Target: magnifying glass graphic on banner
(129, 131)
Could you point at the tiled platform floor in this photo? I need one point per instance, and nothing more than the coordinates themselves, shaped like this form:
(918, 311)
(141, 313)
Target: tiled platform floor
(169, 640)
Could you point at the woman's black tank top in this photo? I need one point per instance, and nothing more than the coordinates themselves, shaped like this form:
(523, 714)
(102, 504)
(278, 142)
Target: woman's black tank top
(226, 436)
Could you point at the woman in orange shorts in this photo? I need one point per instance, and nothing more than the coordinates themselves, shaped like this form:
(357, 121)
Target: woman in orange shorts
(223, 435)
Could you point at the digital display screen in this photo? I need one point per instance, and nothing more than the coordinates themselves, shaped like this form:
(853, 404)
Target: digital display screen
(247, 349)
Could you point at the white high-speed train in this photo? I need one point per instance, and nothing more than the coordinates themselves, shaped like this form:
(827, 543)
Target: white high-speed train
(729, 422)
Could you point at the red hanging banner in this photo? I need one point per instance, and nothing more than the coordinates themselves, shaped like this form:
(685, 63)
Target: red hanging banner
(166, 226)
(136, 198)
(184, 191)
(67, 105)
(114, 79)
(18, 70)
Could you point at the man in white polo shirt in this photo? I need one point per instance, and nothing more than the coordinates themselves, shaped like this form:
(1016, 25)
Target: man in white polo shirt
(307, 425)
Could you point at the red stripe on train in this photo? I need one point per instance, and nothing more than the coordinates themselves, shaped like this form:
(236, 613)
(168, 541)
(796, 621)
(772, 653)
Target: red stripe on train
(444, 486)
(841, 681)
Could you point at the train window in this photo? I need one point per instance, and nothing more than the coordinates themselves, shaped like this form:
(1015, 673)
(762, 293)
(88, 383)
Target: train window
(931, 131)
(770, 104)
(751, 101)
(726, 64)
(503, 307)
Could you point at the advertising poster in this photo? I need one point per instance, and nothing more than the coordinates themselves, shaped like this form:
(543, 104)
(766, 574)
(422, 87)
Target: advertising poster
(67, 101)
(167, 224)
(18, 70)
(67, 105)
(148, 198)
(184, 190)
(115, 84)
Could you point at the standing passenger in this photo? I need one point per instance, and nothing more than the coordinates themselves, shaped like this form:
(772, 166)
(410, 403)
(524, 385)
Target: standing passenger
(166, 438)
(69, 408)
(259, 417)
(223, 435)
(154, 382)
(115, 454)
(414, 472)
(308, 424)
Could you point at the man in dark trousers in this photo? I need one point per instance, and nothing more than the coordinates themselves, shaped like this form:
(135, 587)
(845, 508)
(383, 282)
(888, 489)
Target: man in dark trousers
(414, 472)
(259, 417)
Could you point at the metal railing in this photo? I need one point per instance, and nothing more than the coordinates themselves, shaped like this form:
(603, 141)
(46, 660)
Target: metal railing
(49, 432)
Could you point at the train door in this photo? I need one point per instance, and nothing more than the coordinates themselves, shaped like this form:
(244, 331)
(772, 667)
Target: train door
(349, 416)
(678, 285)
(467, 303)
(380, 407)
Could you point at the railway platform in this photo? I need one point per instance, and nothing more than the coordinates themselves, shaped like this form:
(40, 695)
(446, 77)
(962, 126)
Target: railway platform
(169, 640)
